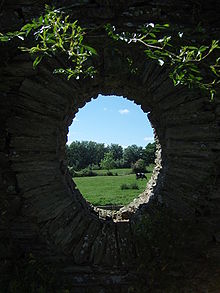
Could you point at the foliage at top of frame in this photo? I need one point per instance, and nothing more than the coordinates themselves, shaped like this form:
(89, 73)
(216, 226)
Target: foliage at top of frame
(189, 64)
(54, 34)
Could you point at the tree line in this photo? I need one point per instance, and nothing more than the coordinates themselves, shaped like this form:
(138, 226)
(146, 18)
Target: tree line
(85, 154)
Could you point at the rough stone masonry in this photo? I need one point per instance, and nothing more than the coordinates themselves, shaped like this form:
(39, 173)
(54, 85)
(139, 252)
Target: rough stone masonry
(42, 212)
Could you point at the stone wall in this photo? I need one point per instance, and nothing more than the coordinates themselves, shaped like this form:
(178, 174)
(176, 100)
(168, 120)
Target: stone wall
(42, 212)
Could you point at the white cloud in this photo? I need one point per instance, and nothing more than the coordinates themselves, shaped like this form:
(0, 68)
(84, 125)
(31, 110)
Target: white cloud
(149, 138)
(124, 111)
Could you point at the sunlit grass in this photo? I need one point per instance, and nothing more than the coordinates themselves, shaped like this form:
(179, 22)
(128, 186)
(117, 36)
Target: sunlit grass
(103, 190)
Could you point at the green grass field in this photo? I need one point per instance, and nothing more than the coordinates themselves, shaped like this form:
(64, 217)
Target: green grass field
(103, 190)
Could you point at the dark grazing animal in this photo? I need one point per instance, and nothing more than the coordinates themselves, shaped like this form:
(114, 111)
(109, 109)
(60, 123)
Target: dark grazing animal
(140, 176)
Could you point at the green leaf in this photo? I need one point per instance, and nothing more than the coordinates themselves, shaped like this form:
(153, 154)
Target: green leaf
(196, 70)
(215, 44)
(27, 27)
(4, 38)
(191, 48)
(37, 61)
(151, 41)
(91, 50)
(213, 69)
(203, 48)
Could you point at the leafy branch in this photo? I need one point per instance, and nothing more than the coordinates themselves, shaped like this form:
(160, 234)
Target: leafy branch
(53, 33)
(189, 64)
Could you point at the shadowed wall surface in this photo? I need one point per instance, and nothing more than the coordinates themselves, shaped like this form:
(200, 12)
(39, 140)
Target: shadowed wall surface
(42, 211)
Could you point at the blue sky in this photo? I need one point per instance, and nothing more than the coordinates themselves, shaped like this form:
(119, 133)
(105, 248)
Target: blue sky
(111, 119)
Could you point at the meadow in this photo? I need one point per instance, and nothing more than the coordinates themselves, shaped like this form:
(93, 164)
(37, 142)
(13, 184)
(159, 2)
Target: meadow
(107, 190)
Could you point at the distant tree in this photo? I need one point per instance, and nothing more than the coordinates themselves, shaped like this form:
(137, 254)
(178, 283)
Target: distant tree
(149, 153)
(139, 166)
(117, 151)
(82, 154)
(108, 162)
(100, 152)
(120, 163)
(95, 152)
(77, 155)
(132, 154)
